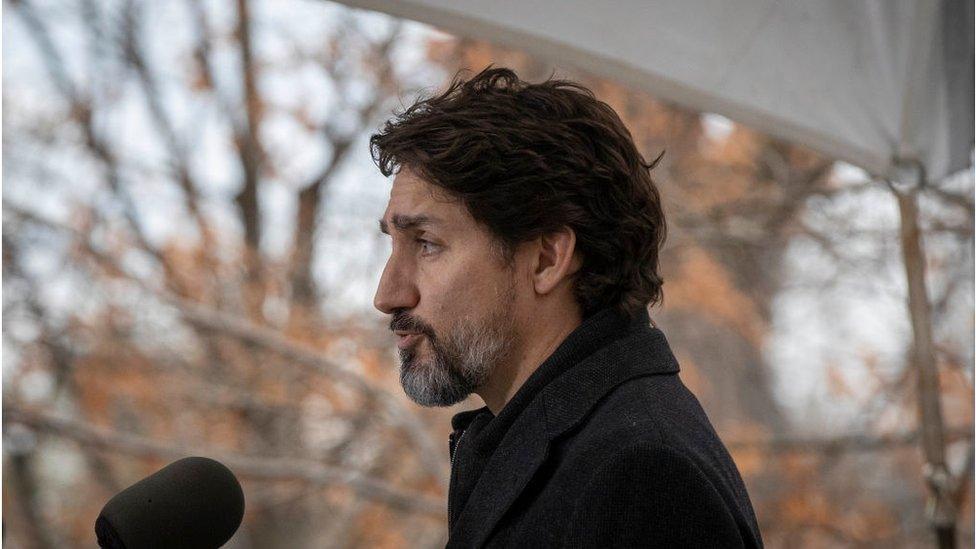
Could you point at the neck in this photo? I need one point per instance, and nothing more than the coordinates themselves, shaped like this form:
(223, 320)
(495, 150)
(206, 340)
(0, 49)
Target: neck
(534, 348)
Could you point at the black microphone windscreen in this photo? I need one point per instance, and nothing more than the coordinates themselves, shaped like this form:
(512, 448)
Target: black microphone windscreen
(192, 503)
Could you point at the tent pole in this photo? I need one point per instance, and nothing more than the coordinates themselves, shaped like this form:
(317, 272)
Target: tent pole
(940, 509)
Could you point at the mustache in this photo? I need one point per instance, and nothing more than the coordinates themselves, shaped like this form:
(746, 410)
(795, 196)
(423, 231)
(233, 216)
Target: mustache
(403, 322)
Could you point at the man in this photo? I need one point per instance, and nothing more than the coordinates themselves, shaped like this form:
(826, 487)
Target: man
(525, 230)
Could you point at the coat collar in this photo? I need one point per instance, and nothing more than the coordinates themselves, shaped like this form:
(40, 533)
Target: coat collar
(642, 352)
(594, 333)
(605, 351)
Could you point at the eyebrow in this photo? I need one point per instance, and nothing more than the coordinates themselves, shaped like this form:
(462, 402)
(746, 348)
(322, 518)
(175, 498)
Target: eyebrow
(403, 222)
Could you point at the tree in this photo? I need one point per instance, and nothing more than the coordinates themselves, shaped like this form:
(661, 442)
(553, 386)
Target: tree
(163, 138)
(178, 230)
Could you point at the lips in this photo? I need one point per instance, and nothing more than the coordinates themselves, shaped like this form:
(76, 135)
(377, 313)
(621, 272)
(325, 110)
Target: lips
(407, 339)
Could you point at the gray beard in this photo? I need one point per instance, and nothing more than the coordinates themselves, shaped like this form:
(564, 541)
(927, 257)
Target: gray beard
(458, 365)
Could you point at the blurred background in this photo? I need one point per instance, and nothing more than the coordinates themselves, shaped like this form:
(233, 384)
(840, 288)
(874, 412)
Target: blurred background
(190, 250)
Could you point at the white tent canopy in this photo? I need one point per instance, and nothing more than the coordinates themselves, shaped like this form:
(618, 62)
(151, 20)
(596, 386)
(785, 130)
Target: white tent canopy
(886, 85)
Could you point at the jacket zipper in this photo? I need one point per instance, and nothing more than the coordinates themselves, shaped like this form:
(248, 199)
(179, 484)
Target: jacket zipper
(457, 445)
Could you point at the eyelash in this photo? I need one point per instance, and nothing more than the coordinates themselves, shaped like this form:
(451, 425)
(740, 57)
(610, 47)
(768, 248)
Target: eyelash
(421, 241)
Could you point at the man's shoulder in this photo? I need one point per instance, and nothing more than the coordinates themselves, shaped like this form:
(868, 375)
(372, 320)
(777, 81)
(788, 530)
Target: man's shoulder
(649, 437)
(647, 414)
(645, 408)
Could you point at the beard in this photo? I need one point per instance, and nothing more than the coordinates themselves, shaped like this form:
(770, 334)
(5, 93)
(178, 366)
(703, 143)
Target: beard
(462, 361)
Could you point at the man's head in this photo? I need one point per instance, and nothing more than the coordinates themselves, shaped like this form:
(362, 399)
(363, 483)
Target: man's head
(538, 208)
(445, 282)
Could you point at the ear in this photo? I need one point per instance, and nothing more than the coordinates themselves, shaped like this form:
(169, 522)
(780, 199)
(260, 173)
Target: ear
(556, 260)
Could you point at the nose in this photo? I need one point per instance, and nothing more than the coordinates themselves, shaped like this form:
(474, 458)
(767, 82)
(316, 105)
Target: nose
(396, 289)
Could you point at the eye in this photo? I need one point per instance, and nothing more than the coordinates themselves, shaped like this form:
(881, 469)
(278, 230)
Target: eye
(426, 246)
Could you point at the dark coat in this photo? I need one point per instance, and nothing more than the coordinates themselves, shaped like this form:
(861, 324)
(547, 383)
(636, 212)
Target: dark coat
(603, 446)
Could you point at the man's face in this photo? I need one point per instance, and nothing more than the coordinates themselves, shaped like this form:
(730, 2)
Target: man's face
(444, 285)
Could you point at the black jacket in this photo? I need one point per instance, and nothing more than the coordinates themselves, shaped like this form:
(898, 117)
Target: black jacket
(603, 446)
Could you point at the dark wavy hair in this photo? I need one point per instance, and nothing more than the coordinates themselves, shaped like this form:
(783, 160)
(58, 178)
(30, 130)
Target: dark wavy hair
(527, 159)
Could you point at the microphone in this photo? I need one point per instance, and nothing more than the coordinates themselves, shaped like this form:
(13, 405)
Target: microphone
(192, 503)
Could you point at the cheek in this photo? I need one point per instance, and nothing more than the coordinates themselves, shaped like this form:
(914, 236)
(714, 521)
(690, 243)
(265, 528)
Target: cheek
(458, 289)
(440, 296)
(449, 295)
(478, 292)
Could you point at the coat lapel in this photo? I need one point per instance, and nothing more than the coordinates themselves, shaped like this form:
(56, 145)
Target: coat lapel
(506, 474)
(564, 403)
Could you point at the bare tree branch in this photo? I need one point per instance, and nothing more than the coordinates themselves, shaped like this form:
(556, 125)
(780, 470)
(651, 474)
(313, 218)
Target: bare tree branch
(133, 50)
(26, 512)
(82, 114)
(270, 339)
(309, 198)
(246, 466)
(849, 443)
(960, 200)
(251, 156)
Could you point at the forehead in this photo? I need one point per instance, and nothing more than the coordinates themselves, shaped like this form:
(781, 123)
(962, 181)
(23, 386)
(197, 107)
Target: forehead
(414, 202)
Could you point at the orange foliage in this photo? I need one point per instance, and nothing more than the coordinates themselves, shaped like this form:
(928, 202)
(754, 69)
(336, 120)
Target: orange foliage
(704, 285)
(692, 376)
